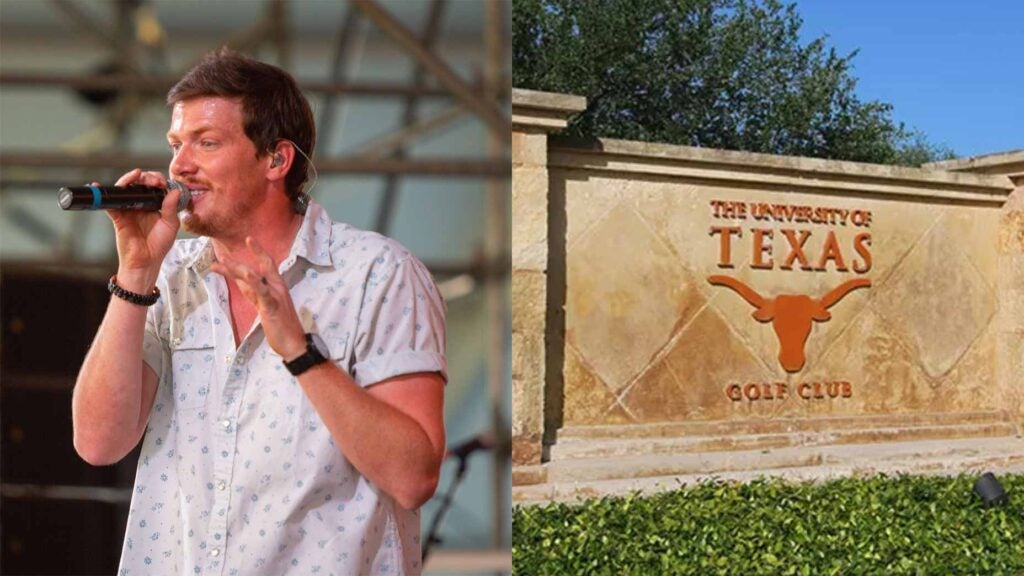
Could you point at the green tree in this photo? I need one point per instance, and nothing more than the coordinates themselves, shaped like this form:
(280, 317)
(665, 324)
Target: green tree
(727, 74)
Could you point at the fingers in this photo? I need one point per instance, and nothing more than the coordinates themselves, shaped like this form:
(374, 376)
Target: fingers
(255, 286)
(264, 281)
(261, 284)
(169, 208)
(267, 268)
(155, 179)
(237, 271)
(129, 178)
(137, 176)
(126, 179)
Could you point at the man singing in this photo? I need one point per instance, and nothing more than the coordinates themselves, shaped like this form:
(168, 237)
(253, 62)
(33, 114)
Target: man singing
(286, 372)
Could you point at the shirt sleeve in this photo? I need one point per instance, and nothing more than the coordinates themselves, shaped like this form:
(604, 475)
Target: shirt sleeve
(155, 350)
(401, 327)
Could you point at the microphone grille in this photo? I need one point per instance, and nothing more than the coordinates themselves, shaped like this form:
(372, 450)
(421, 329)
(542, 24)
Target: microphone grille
(65, 198)
(185, 196)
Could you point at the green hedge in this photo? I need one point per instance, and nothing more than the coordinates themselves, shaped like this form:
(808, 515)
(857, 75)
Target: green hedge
(880, 525)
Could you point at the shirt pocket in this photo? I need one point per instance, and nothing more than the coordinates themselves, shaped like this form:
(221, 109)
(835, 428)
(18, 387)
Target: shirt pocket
(337, 341)
(193, 363)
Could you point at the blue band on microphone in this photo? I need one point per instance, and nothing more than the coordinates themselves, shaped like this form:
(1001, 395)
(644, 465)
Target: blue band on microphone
(95, 196)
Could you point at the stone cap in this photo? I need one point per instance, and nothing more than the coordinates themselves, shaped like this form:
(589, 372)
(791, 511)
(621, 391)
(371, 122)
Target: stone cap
(782, 172)
(547, 111)
(1009, 164)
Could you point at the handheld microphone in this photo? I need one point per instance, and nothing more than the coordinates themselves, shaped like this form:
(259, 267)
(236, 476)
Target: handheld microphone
(131, 197)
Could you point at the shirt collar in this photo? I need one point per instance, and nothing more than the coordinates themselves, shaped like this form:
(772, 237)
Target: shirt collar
(201, 254)
(312, 242)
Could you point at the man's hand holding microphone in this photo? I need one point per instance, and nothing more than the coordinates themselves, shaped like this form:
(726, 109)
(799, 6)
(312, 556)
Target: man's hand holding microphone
(144, 208)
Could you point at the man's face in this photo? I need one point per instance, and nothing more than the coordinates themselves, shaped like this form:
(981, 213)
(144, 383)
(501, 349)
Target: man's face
(214, 158)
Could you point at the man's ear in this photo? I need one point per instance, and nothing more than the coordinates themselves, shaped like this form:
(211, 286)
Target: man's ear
(281, 160)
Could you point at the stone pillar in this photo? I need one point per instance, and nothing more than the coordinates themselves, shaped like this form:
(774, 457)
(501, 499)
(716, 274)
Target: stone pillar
(1011, 299)
(534, 116)
(1010, 280)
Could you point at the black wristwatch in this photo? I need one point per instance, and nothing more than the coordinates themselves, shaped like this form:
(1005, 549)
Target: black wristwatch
(316, 353)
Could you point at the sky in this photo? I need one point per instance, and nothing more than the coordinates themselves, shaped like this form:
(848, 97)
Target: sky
(953, 69)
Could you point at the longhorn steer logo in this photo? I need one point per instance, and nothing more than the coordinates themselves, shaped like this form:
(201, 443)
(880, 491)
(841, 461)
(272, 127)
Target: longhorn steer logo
(790, 314)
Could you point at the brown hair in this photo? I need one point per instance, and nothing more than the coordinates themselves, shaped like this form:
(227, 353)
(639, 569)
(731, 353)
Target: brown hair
(273, 107)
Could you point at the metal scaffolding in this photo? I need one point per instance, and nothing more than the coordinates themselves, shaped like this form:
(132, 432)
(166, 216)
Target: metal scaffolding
(137, 34)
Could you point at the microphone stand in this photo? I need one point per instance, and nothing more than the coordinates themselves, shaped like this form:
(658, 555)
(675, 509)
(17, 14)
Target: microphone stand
(446, 503)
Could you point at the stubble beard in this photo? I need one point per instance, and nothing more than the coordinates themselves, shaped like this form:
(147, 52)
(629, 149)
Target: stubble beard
(219, 224)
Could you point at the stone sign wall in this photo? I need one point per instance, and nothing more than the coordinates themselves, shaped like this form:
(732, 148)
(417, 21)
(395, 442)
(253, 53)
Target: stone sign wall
(726, 300)
(733, 292)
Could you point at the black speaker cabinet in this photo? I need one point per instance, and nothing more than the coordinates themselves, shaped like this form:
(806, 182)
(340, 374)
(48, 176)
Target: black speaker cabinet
(66, 537)
(59, 514)
(48, 321)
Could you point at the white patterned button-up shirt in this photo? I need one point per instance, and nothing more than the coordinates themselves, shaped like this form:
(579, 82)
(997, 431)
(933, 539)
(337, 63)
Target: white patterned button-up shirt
(238, 474)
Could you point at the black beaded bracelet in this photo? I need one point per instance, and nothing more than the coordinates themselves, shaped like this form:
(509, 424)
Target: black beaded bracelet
(139, 299)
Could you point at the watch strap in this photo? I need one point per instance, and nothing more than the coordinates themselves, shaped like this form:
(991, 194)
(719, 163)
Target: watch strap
(311, 357)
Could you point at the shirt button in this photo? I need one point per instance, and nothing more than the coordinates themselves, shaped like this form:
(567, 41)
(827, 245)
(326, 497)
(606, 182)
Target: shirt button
(215, 552)
(177, 342)
(222, 486)
(227, 359)
(226, 424)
